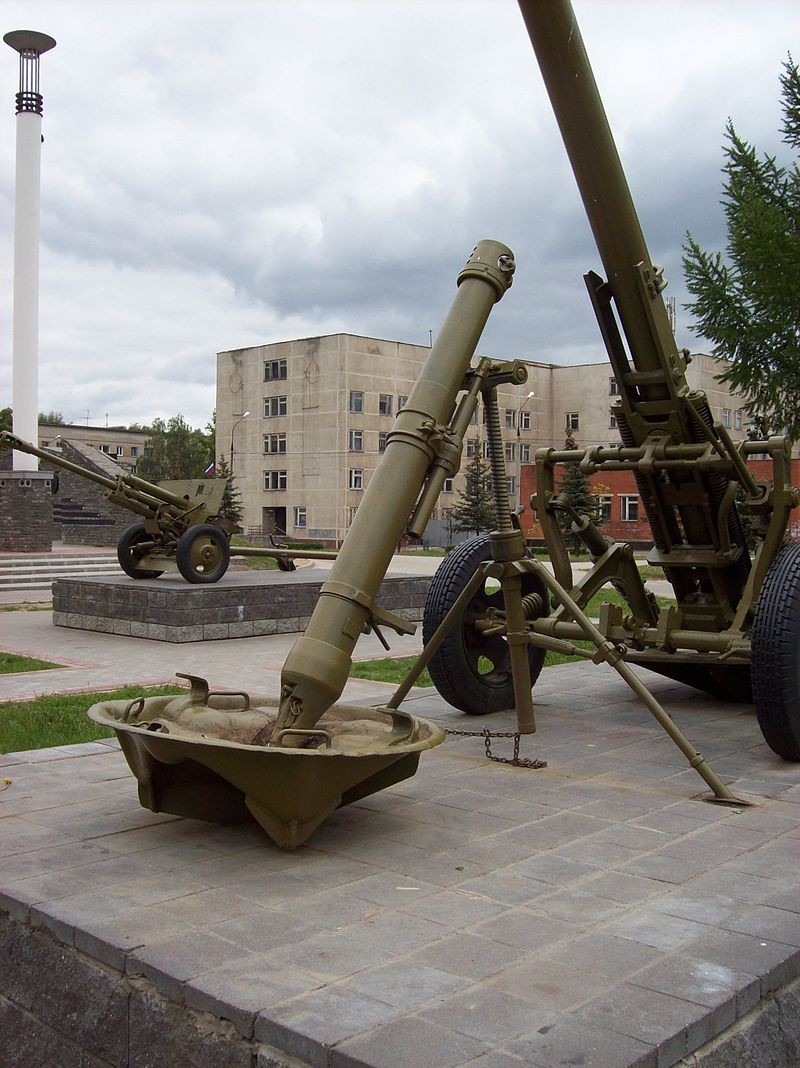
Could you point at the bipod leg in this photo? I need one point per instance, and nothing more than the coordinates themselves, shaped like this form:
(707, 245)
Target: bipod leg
(614, 656)
(511, 588)
(438, 636)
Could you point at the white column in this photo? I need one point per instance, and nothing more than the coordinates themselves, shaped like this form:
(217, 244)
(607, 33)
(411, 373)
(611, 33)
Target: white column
(25, 397)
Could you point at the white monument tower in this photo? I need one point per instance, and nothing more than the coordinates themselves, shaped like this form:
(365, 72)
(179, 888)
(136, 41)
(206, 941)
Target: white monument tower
(25, 392)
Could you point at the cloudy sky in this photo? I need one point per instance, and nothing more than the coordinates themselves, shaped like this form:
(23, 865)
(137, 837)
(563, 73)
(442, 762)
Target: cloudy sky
(233, 172)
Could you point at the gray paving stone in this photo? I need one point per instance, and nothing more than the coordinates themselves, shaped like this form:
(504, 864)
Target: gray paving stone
(654, 928)
(571, 1042)
(240, 991)
(776, 963)
(528, 929)
(550, 984)
(489, 1014)
(469, 955)
(308, 1026)
(622, 887)
(455, 908)
(410, 1043)
(168, 964)
(405, 984)
(673, 1025)
(601, 953)
(731, 992)
(765, 922)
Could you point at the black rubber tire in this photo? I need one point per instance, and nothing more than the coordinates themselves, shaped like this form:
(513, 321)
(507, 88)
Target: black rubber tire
(129, 557)
(776, 654)
(456, 667)
(203, 553)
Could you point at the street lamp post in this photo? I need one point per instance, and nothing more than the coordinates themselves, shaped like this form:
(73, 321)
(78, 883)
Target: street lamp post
(30, 44)
(244, 415)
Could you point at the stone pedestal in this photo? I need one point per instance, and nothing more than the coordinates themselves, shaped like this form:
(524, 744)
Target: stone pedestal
(26, 511)
(241, 605)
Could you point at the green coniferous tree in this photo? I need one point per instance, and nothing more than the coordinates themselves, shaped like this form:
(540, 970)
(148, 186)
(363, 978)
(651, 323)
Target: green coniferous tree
(575, 484)
(231, 507)
(474, 510)
(747, 304)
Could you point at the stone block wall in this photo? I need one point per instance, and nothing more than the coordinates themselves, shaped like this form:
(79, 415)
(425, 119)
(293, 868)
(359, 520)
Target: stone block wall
(110, 521)
(26, 511)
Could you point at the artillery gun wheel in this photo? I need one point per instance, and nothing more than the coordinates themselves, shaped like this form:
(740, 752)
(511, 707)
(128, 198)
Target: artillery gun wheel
(129, 554)
(776, 654)
(203, 553)
(471, 670)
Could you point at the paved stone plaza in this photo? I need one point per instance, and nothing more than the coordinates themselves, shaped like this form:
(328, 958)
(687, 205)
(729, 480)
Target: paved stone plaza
(592, 913)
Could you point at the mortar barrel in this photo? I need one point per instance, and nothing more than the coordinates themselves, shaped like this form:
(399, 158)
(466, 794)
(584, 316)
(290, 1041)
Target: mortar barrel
(318, 665)
(555, 36)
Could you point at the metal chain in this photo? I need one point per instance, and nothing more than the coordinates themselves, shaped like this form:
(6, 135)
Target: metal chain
(487, 735)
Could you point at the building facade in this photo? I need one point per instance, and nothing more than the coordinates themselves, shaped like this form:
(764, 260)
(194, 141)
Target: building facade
(122, 445)
(305, 422)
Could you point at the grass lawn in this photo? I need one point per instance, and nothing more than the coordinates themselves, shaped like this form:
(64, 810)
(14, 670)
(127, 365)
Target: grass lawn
(10, 663)
(60, 719)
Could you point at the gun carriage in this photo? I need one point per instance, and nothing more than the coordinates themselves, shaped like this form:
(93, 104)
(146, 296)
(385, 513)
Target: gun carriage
(493, 611)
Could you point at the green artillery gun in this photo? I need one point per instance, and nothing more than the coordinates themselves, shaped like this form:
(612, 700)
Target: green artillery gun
(735, 628)
(180, 526)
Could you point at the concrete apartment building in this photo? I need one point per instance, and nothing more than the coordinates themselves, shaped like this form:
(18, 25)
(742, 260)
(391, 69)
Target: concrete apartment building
(122, 445)
(319, 410)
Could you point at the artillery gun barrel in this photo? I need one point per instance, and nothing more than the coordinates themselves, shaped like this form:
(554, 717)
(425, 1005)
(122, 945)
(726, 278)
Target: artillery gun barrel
(587, 136)
(11, 441)
(139, 486)
(318, 664)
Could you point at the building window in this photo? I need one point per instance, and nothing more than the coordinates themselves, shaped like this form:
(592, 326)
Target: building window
(382, 439)
(356, 400)
(737, 419)
(474, 417)
(105, 448)
(120, 450)
(524, 454)
(356, 478)
(524, 420)
(511, 418)
(613, 387)
(275, 480)
(448, 486)
(630, 509)
(385, 404)
(612, 421)
(274, 406)
(572, 421)
(485, 450)
(512, 484)
(274, 443)
(604, 505)
(511, 450)
(401, 402)
(275, 370)
(726, 417)
(134, 450)
(300, 517)
(472, 446)
(355, 440)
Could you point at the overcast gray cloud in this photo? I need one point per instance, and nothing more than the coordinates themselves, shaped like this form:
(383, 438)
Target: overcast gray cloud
(221, 174)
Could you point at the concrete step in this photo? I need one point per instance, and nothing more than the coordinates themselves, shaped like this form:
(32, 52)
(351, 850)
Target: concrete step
(37, 571)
